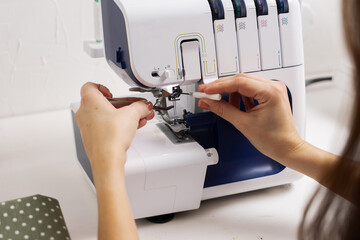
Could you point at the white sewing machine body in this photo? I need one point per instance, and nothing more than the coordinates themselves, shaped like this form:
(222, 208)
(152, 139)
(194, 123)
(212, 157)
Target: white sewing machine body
(164, 43)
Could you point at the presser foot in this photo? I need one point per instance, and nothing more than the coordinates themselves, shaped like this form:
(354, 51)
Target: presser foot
(175, 135)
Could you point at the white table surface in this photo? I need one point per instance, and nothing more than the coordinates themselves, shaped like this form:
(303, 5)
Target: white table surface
(37, 156)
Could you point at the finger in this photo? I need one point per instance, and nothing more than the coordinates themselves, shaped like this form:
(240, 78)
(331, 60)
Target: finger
(245, 86)
(122, 102)
(202, 87)
(139, 110)
(226, 111)
(90, 88)
(150, 116)
(256, 78)
(105, 91)
(260, 79)
(202, 104)
(129, 99)
(91, 96)
(228, 86)
(248, 102)
(142, 123)
(234, 100)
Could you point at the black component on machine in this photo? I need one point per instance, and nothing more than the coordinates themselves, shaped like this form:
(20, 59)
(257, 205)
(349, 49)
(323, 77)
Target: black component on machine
(282, 6)
(176, 92)
(261, 7)
(239, 8)
(217, 9)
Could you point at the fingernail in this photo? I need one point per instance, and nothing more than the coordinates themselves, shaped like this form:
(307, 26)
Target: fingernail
(149, 106)
(204, 105)
(150, 116)
(105, 91)
(201, 87)
(101, 88)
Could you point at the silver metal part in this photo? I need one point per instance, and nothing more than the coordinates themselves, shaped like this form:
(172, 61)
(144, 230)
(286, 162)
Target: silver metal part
(175, 137)
(174, 128)
(160, 105)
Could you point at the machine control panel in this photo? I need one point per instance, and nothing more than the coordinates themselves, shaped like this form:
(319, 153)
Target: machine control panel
(248, 39)
(266, 35)
(226, 41)
(290, 32)
(269, 36)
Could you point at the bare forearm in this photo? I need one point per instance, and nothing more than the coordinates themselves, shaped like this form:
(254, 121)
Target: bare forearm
(107, 131)
(115, 217)
(319, 165)
(311, 161)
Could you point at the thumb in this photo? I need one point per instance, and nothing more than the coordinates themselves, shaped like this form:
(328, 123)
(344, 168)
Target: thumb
(139, 110)
(226, 111)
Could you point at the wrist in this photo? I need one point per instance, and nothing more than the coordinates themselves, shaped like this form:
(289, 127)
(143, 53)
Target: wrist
(108, 171)
(109, 180)
(292, 147)
(310, 160)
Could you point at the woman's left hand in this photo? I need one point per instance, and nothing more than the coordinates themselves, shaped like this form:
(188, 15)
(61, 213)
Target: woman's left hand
(107, 132)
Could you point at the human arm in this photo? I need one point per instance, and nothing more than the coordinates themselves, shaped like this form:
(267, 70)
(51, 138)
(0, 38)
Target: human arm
(269, 126)
(107, 133)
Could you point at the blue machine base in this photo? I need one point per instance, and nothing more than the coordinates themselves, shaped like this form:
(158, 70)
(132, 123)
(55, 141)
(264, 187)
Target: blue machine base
(238, 158)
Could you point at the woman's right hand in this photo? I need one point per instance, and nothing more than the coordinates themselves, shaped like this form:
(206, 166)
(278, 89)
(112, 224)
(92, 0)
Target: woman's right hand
(269, 126)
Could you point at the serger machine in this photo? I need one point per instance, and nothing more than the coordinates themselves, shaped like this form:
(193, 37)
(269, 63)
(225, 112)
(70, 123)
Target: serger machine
(163, 48)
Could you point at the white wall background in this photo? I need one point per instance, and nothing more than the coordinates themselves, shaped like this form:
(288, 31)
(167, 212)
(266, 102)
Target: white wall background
(42, 64)
(324, 48)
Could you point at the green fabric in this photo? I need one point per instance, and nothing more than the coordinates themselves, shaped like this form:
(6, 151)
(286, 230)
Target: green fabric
(34, 217)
